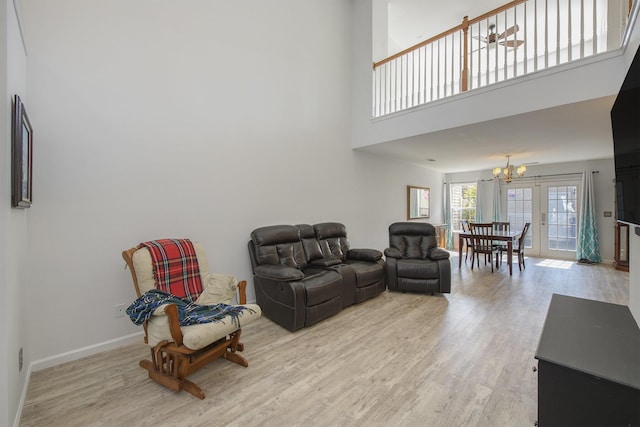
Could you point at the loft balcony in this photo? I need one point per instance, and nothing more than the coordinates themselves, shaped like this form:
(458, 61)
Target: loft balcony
(520, 38)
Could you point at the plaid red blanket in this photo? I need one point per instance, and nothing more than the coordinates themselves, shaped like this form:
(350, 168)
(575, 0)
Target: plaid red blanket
(175, 267)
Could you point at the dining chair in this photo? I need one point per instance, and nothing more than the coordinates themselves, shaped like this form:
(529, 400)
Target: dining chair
(520, 249)
(467, 241)
(501, 227)
(482, 234)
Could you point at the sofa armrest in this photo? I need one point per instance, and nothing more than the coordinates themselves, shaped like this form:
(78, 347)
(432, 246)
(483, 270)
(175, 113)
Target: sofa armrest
(438, 253)
(393, 253)
(325, 262)
(369, 255)
(278, 273)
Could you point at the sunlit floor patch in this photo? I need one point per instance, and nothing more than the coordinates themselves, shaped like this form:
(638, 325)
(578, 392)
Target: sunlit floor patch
(555, 263)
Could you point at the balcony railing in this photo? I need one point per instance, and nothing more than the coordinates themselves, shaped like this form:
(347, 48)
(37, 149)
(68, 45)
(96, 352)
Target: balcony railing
(516, 39)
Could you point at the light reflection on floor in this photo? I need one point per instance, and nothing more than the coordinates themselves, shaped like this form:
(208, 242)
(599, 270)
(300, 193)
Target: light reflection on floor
(555, 263)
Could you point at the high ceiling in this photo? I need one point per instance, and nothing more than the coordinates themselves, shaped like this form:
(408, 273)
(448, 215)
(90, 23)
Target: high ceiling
(573, 132)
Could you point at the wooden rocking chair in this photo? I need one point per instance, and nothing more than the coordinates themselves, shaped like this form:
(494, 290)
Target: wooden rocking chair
(177, 351)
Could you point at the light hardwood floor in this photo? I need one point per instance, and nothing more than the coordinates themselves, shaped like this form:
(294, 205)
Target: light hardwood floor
(460, 359)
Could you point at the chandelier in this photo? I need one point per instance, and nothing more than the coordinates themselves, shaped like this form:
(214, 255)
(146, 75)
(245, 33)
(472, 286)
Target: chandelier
(509, 171)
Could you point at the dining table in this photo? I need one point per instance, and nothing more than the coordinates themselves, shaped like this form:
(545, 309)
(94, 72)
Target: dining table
(501, 236)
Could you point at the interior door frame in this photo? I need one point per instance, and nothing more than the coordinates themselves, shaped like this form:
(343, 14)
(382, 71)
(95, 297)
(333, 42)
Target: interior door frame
(544, 230)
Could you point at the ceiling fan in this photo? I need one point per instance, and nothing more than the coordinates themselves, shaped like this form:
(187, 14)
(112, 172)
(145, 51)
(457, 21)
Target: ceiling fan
(494, 38)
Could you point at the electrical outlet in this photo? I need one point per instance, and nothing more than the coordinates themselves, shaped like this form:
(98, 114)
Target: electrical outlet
(120, 310)
(20, 360)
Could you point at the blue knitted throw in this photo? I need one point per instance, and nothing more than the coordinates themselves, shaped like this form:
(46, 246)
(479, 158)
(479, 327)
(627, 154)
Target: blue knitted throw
(189, 313)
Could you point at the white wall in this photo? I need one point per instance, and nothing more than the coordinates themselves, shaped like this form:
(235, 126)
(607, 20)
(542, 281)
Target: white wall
(6, 388)
(603, 190)
(13, 226)
(186, 119)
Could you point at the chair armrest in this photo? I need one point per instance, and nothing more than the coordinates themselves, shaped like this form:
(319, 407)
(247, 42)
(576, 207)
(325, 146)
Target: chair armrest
(278, 272)
(369, 255)
(438, 253)
(171, 310)
(242, 292)
(393, 253)
(326, 262)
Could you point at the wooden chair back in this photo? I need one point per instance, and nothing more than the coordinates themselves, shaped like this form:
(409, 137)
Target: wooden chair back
(525, 230)
(483, 243)
(482, 233)
(502, 226)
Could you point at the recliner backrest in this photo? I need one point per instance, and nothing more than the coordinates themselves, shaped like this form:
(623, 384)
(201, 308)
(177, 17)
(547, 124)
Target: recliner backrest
(278, 245)
(332, 238)
(310, 244)
(413, 239)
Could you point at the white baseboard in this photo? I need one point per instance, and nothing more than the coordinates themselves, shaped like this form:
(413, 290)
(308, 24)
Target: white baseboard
(69, 356)
(23, 396)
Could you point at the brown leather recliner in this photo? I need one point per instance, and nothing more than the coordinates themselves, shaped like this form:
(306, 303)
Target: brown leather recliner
(304, 274)
(414, 261)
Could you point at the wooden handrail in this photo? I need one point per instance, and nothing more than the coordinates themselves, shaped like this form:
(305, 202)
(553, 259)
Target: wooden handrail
(495, 11)
(417, 46)
(464, 26)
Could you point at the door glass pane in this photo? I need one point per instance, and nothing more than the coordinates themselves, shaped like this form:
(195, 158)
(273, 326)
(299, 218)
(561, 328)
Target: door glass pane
(562, 218)
(519, 210)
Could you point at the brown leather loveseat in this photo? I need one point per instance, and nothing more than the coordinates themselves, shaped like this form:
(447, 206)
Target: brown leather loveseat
(304, 274)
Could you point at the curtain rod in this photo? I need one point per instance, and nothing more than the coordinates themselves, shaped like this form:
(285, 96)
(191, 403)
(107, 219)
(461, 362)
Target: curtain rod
(543, 176)
(526, 177)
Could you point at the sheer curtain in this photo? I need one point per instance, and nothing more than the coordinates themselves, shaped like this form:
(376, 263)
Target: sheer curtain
(588, 248)
(447, 214)
(480, 196)
(497, 201)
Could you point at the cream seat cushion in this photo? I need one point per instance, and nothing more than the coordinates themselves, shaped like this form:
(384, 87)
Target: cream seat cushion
(218, 288)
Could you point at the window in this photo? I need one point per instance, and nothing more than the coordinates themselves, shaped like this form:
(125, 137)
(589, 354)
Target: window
(463, 204)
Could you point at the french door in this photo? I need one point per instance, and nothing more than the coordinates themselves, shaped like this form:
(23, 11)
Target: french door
(552, 210)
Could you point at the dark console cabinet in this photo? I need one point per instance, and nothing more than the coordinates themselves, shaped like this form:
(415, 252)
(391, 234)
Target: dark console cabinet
(588, 365)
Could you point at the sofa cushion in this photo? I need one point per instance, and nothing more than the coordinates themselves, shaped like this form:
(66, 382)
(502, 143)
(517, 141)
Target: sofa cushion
(278, 244)
(309, 242)
(322, 287)
(413, 246)
(367, 273)
(326, 262)
(417, 269)
(199, 336)
(218, 288)
(414, 240)
(332, 237)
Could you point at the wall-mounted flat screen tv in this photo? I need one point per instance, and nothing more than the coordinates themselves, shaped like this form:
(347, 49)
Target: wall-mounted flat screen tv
(625, 123)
